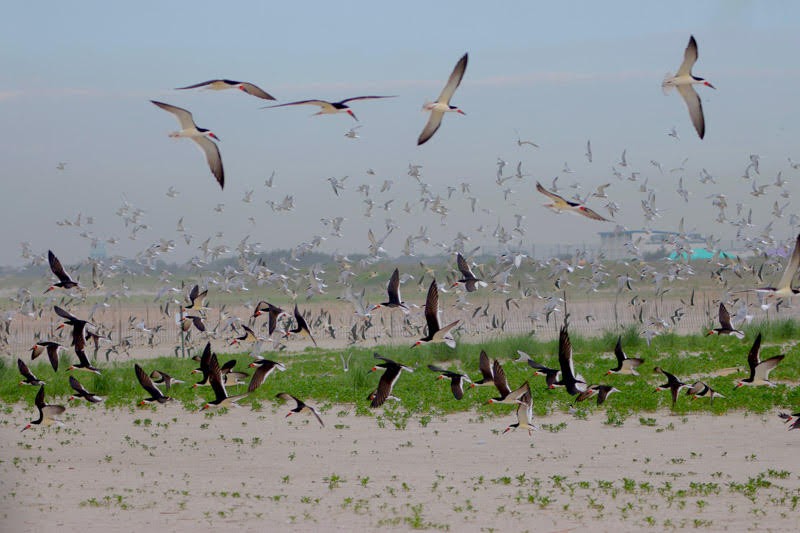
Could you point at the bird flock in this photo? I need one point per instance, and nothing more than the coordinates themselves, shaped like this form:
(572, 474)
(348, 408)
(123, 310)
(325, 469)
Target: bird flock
(472, 277)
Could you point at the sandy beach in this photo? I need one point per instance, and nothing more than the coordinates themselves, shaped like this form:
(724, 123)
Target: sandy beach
(171, 470)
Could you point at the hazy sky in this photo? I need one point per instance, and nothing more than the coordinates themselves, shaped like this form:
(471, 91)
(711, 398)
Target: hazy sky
(76, 79)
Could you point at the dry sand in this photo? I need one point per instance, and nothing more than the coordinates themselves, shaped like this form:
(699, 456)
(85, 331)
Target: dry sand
(257, 470)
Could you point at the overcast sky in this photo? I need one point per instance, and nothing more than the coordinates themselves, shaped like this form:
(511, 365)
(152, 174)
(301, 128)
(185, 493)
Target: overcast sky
(76, 79)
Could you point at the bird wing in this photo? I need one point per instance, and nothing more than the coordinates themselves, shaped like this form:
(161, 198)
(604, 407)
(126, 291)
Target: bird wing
(24, 370)
(695, 107)
(286, 396)
(362, 98)
(456, 386)
(766, 366)
(64, 314)
(590, 213)
(76, 386)
(316, 414)
(454, 81)
(325, 105)
(215, 378)
(520, 392)
(211, 150)
(724, 317)
(434, 121)
(753, 358)
(437, 369)
(565, 356)
(55, 266)
(39, 401)
(385, 385)
(463, 267)
(393, 289)
(255, 90)
(146, 382)
(486, 366)
(619, 352)
(689, 58)
(196, 85)
(553, 196)
(193, 293)
(273, 321)
(52, 354)
(791, 267)
(50, 411)
(260, 375)
(432, 308)
(500, 379)
(184, 117)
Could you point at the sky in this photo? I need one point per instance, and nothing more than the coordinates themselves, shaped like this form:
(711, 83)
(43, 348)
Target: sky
(76, 80)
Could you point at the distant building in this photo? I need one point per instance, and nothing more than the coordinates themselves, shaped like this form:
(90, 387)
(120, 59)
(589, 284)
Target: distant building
(612, 243)
(98, 251)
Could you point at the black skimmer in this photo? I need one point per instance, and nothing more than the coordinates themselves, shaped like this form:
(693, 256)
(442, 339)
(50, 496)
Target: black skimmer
(64, 279)
(301, 407)
(442, 104)
(524, 414)
(601, 391)
(393, 290)
(559, 204)
(725, 325)
(574, 384)
(247, 336)
(302, 326)
(205, 360)
(625, 364)
(163, 377)
(468, 278)
(201, 136)
(274, 312)
(673, 384)
(192, 320)
(265, 367)
(78, 326)
(221, 85)
(147, 384)
(456, 380)
(784, 288)
(30, 378)
(83, 363)
(196, 299)
(47, 413)
(550, 374)
(388, 379)
(53, 349)
(221, 398)
(684, 81)
(501, 382)
(759, 370)
(787, 418)
(700, 389)
(435, 333)
(81, 392)
(487, 375)
(329, 108)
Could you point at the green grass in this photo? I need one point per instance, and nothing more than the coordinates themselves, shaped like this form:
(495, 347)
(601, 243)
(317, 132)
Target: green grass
(317, 375)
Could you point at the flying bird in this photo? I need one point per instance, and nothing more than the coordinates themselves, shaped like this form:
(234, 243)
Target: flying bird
(221, 398)
(468, 278)
(300, 407)
(201, 136)
(784, 288)
(625, 364)
(759, 370)
(329, 108)
(560, 204)
(64, 279)
(52, 348)
(393, 291)
(569, 380)
(302, 326)
(524, 414)
(388, 379)
(436, 334)
(221, 85)
(147, 384)
(30, 378)
(442, 104)
(81, 392)
(673, 384)
(684, 81)
(47, 413)
(726, 328)
(456, 380)
(264, 367)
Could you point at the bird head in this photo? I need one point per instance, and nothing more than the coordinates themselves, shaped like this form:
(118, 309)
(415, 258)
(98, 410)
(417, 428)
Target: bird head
(441, 376)
(252, 365)
(708, 84)
(29, 426)
(290, 413)
(507, 430)
(491, 400)
(71, 398)
(609, 373)
(206, 406)
(234, 341)
(257, 313)
(416, 344)
(211, 134)
(350, 112)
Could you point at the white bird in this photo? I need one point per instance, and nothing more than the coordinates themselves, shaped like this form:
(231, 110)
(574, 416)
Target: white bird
(198, 135)
(221, 85)
(683, 81)
(442, 104)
